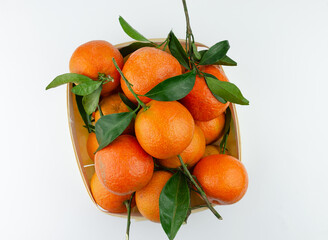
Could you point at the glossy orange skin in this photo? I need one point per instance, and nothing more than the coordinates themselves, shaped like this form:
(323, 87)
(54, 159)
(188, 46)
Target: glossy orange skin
(92, 145)
(201, 103)
(123, 166)
(191, 155)
(223, 178)
(212, 129)
(105, 199)
(95, 57)
(165, 129)
(114, 104)
(146, 68)
(147, 198)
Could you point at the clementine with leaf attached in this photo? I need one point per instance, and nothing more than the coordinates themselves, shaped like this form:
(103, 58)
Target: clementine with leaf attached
(147, 198)
(201, 103)
(95, 57)
(213, 128)
(114, 104)
(123, 166)
(191, 155)
(146, 68)
(223, 178)
(105, 199)
(165, 129)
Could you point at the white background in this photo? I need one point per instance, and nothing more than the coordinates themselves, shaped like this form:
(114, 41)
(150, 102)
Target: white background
(281, 48)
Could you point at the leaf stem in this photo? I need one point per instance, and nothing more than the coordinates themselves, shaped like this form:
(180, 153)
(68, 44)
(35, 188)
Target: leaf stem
(202, 193)
(127, 204)
(129, 85)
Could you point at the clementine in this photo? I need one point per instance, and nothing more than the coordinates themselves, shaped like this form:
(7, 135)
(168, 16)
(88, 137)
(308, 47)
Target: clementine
(123, 166)
(114, 104)
(223, 178)
(201, 103)
(213, 128)
(191, 155)
(147, 198)
(105, 199)
(165, 129)
(147, 67)
(95, 57)
(92, 145)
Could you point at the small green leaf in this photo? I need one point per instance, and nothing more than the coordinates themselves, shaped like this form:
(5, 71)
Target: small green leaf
(133, 47)
(197, 55)
(226, 61)
(173, 88)
(226, 90)
(129, 30)
(90, 102)
(68, 78)
(127, 102)
(174, 203)
(86, 88)
(85, 117)
(177, 50)
(109, 127)
(215, 53)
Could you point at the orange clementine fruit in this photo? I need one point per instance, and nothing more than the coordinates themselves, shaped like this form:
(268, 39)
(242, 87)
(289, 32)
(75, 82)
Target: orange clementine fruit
(213, 128)
(211, 150)
(123, 166)
(191, 155)
(223, 178)
(146, 68)
(201, 103)
(165, 129)
(147, 198)
(92, 145)
(95, 57)
(114, 104)
(105, 199)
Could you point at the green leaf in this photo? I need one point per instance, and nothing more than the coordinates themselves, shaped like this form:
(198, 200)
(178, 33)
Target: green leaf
(220, 99)
(68, 78)
(133, 47)
(173, 88)
(177, 50)
(86, 88)
(85, 117)
(129, 30)
(197, 55)
(90, 102)
(215, 53)
(174, 203)
(109, 127)
(226, 61)
(227, 121)
(127, 102)
(226, 90)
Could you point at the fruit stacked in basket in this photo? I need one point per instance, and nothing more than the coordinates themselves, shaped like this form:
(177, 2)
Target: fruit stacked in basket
(158, 118)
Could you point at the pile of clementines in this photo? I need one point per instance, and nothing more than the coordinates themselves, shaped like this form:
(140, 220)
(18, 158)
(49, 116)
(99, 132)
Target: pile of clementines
(158, 118)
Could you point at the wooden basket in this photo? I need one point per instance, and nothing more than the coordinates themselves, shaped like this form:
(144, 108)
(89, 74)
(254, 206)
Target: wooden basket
(79, 136)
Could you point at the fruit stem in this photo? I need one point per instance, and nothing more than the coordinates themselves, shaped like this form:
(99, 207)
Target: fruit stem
(129, 86)
(127, 204)
(100, 112)
(189, 34)
(202, 193)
